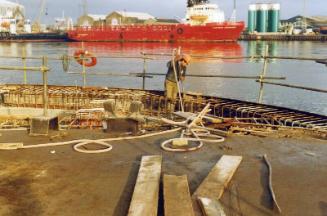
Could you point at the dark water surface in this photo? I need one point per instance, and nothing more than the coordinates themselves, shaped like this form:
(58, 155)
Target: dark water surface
(302, 73)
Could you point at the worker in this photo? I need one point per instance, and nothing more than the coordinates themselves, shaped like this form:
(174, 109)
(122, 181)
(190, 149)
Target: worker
(171, 82)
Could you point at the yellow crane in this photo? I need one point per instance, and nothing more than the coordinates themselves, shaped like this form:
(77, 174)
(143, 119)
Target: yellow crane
(36, 26)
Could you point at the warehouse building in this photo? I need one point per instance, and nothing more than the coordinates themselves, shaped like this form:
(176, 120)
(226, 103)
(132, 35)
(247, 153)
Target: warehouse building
(89, 20)
(314, 21)
(121, 18)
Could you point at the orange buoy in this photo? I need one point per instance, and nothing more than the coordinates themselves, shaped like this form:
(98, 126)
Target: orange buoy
(83, 57)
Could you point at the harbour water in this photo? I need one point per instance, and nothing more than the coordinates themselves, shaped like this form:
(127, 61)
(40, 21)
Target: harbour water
(302, 73)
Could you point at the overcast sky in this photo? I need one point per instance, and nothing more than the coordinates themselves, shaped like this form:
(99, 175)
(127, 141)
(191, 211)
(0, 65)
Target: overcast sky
(162, 8)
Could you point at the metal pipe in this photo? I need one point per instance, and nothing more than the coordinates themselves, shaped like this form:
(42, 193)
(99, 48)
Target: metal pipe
(111, 74)
(18, 68)
(45, 85)
(263, 74)
(294, 86)
(24, 64)
(218, 76)
(72, 57)
(296, 58)
(167, 55)
(243, 57)
(144, 72)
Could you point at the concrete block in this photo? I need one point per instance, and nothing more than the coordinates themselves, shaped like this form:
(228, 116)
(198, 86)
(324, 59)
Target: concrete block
(39, 125)
(110, 108)
(135, 110)
(180, 142)
(121, 125)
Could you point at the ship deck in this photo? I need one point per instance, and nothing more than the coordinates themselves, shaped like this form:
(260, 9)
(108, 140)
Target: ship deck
(60, 181)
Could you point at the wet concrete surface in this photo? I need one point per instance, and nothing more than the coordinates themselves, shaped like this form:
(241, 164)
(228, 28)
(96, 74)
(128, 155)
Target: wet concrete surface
(65, 182)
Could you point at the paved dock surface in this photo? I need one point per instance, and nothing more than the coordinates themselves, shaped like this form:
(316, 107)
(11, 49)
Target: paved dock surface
(60, 181)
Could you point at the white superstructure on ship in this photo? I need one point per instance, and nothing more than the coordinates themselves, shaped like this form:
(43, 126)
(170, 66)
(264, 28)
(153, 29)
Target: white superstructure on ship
(202, 12)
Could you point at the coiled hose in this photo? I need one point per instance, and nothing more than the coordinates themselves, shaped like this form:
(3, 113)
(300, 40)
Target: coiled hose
(104, 142)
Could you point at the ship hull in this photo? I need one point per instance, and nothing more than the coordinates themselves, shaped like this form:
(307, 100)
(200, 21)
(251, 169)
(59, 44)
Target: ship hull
(215, 32)
(33, 37)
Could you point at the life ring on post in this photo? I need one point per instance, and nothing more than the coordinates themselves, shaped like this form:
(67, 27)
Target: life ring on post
(180, 31)
(86, 58)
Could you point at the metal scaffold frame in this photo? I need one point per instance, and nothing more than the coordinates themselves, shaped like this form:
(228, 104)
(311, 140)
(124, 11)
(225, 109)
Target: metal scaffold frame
(44, 69)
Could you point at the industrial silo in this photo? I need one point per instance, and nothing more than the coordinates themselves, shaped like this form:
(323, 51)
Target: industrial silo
(262, 17)
(252, 17)
(273, 17)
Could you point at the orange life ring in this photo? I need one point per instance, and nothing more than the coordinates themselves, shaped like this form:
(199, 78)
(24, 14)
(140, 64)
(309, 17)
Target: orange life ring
(83, 57)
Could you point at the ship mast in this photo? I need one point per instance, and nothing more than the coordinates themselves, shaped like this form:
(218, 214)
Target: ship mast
(233, 16)
(84, 5)
(304, 16)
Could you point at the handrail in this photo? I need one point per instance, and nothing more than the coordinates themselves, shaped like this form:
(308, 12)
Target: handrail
(32, 69)
(212, 76)
(295, 86)
(44, 69)
(146, 56)
(262, 78)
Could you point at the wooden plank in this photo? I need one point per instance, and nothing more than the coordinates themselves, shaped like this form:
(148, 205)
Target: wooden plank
(177, 198)
(211, 207)
(145, 196)
(215, 183)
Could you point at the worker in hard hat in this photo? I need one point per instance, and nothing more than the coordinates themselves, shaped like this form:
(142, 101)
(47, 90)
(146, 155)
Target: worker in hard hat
(171, 81)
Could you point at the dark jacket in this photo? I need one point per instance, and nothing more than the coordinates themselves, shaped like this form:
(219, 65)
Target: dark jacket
(180, 71)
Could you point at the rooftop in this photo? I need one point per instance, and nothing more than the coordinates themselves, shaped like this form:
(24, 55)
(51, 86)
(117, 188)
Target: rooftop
(4, 3)
(97, 16)
(139, 15)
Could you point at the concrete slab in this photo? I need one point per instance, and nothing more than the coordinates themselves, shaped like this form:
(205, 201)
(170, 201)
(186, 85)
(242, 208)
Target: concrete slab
(23, 113)
(41, 182)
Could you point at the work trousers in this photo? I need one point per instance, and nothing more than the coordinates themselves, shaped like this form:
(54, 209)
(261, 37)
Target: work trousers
(171, 91)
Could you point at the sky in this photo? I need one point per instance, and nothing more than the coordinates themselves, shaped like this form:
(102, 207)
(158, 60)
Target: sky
(163, 9)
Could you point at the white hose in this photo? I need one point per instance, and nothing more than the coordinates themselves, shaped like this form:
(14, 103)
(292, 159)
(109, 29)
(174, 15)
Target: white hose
(193, 130)
(78, 149)
(197, 133)
(81, 142)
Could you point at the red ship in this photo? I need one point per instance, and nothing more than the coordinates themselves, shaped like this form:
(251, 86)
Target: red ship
(204, 22)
